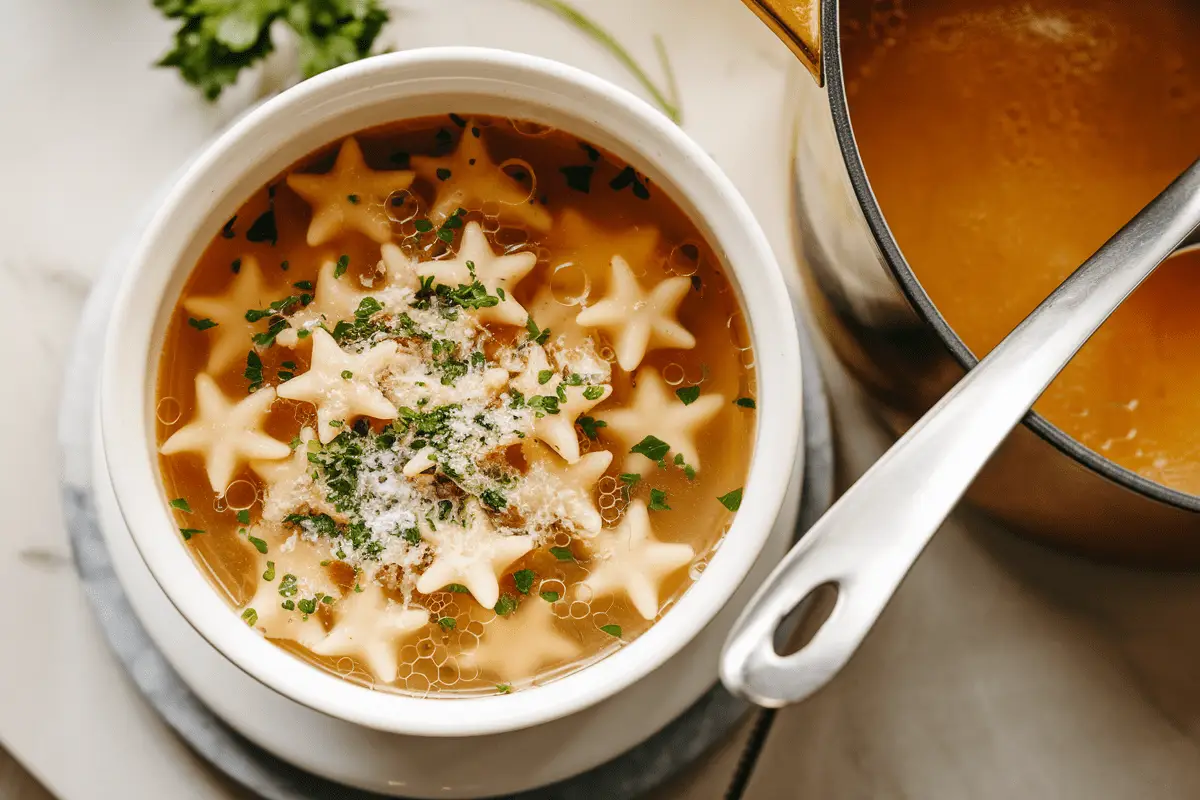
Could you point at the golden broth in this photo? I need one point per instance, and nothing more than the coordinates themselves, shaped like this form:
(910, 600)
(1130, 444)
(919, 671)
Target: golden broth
(615, 216)
(1005, 143)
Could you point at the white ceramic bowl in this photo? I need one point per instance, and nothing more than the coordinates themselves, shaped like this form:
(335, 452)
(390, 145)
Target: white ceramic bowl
(378, 90)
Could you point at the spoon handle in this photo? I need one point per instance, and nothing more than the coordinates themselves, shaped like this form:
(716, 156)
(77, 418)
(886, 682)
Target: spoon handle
(867, 542)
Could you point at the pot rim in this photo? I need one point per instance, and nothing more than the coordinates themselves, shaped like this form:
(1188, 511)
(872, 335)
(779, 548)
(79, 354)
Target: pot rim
(918, 298)
(323, 109)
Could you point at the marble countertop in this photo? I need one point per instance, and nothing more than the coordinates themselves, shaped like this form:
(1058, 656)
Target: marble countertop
(1001, 669)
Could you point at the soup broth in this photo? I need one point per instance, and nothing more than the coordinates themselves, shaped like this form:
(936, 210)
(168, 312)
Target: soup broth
(1005, 142)
(455, 406)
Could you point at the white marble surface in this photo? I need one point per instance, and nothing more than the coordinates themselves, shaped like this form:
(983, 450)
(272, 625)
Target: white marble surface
(1001, 670)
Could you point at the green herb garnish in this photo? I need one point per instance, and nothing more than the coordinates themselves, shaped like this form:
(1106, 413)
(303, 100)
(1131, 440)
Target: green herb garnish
(343, 263)
(562, 553)
(652, 448)
(524, 580)
(250, 616)
(448, 623)
(612, 630)
(745, 402)
(593, 392)
(506, 605)
(733, 500)
(269, 574)
(259, 544)
(201, 324)
(550, 597)
(658, 500)
(181, 504)
(243, 516)
(688, 394)
(188, 533)
(590, 426)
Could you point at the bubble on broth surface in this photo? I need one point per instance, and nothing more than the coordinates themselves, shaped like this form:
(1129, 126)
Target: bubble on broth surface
(673, 374)
(684, 259)
(403, 208)
(738, 333)
(534, 129)
(697, 568)
(608, 354)
(522, 172)
(746, 357)
(570, 284)
(562, 539)
(241, 495)
(168, 411)
(579, 609)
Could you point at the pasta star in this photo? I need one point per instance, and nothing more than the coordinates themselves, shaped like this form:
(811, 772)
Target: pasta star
(351, 196)
(632, 562)
(226, 434)
(556, 426)
(369, 627)
(229, 341)
(342, 385)
(300, 561)
(567, 492)
(638, 320)
(336, 299)
(499, 274)
(473, 555)
(468, 178)
(655, 411)
(523, 643)
(290, 484)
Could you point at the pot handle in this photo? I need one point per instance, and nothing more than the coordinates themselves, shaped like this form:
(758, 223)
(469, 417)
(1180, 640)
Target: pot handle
(866, 543)
(798, 24)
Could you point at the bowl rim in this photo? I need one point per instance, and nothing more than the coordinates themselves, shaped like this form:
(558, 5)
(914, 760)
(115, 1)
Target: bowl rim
(923, 304)
(132, 344)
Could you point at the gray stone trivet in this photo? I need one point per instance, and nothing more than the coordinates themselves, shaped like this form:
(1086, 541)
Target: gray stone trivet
(636, 772)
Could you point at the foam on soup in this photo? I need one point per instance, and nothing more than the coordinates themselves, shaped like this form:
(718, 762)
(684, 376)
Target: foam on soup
(1006, 141)
(455, 406)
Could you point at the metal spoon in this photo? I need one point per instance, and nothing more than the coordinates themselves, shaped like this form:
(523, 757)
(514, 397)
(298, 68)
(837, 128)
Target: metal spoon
(867, 542)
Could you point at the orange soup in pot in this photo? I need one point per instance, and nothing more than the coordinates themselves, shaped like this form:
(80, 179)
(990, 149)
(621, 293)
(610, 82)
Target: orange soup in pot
(1006, 141)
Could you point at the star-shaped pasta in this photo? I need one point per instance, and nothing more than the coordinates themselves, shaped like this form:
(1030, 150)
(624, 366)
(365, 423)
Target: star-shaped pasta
(473, 555)
(632, 562)
(229, 341)
(499, 274)
(226, 434)
(655, 411)
(351, 196)
(557, 427)
(468, 178)
(336, 299)
(342, 385)
(522, 644)
(549, 313)
(565, 492)
(369, 627)
(301, 561)
(639, 320)
(290, 484)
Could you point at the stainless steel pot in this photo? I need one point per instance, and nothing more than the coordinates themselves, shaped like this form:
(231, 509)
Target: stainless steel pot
(885, 329)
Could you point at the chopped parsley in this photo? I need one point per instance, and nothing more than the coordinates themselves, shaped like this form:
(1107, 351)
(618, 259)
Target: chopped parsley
(353, 198)
(550, 597)
(181, 504)
(269, 574)
(254, 371)
(688, 394)
(448, 623)
(579, 177)
(630, 478)
(259, 544)
(494, 499)
(288, 586)
(506, 605)
(544, 376)
(733, 500)
(539, 335)
(456, 588)
(347, 374)
(250, 616)
(658, 500)
(236, 266)
(628, 177)
(307, 606)
(264, 229)
(562, 553)
(504, 688)
(243, 516)
(591, 426)
(343, 264)
(612, 630)
(652, 448)
(443, 174)
(593, 392)
(524, 580)
(188, 533)
(201, 324)
(745, 402)
(227, 229)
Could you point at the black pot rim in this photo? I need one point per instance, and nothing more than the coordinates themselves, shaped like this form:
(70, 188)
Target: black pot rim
(831, 64)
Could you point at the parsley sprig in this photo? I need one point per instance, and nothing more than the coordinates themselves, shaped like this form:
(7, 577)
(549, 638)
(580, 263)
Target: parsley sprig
(217, 39)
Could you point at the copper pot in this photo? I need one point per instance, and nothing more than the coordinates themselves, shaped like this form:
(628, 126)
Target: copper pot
(884, 327)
